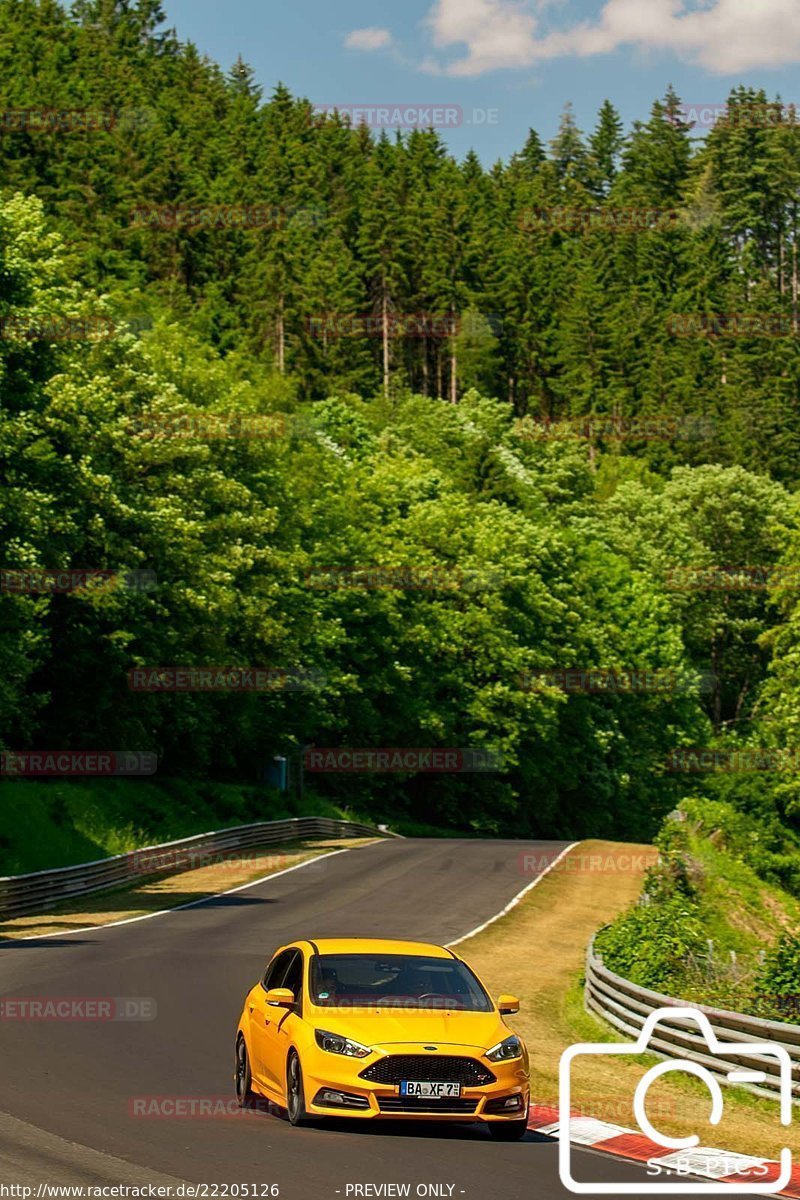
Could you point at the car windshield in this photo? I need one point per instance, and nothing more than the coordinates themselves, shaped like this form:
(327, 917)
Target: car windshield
(395, 980)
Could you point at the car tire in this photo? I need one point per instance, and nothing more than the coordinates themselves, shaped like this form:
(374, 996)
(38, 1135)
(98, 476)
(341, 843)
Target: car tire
(295, 1093)
(508, 1131)
(242, 1075)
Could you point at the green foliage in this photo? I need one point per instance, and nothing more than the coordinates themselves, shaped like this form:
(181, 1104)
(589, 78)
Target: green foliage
(56, 823)
(414, 320)
(650, 943)
(780, 976)
(729, 880)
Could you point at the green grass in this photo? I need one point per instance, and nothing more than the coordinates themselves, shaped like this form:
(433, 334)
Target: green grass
(720, 882)
(57, 823)
(741, 911)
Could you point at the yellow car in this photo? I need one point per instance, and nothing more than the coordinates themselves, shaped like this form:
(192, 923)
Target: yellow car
(370, 1028)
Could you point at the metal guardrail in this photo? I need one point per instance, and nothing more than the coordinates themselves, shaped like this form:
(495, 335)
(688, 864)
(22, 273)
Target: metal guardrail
(626, 1006)
(24, 894)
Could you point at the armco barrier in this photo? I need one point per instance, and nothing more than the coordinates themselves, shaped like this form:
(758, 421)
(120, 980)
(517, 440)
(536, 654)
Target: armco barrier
(23, 894)
(626, 1006)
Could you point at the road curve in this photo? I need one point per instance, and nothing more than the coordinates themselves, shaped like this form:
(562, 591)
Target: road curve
(73, 1082)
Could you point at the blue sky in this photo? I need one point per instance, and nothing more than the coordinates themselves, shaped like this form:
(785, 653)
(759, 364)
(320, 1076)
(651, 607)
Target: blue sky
(493, 68)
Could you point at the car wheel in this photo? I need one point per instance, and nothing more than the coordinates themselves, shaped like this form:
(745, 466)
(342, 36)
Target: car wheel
(295, 1096)
(508, 1131)
(242, 1075)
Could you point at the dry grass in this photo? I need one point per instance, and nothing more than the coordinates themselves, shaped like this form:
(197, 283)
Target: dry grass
(537, 952)
(155, 894)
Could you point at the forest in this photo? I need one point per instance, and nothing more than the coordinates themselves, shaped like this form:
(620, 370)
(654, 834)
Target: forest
(497, 458)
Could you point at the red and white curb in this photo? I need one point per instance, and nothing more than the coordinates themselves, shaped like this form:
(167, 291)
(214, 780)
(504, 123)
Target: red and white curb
(723, 1166)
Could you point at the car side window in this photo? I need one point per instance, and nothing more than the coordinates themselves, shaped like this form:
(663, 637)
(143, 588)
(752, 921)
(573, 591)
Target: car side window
(275, 972)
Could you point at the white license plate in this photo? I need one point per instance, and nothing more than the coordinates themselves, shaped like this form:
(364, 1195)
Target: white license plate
(428, 1090)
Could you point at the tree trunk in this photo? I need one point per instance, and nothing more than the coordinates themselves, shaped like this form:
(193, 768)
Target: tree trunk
(794, 276)
(281, 338)
(782, 265)
(717, 702)
(385, 336)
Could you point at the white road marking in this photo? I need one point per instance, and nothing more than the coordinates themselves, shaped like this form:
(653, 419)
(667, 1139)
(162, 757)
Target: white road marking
(513, 903)
(163, 912)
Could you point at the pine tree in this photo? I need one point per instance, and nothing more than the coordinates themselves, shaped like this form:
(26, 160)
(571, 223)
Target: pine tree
(568, 151)
(605, 145)
(382, 242)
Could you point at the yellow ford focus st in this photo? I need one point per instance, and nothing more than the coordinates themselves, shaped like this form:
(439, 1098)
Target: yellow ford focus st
(369, 1028)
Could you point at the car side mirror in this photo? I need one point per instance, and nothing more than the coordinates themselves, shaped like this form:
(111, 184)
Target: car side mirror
(280, 997)
(507, 1005)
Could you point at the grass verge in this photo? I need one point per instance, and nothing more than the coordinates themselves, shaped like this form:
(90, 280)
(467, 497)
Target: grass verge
(538, 951)
(155, 894)
(50, 823)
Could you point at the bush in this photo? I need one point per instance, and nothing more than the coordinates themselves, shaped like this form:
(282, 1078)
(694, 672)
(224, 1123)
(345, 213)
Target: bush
(780, 975)
(651, 943)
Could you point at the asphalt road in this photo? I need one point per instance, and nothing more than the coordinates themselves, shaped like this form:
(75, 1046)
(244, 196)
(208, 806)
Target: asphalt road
(67, 1087)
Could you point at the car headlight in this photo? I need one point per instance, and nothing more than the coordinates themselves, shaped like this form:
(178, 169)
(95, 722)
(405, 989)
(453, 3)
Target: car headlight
(510, 1048)
(335, 1044)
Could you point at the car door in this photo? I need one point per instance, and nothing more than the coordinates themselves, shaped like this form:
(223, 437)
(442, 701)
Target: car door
(280, 1023)
(262, 1017)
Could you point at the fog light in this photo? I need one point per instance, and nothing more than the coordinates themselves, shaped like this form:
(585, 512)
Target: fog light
(330, 1098)
(504, 1105)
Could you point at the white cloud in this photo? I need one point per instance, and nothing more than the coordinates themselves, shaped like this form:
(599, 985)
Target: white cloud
(725, 36)
(497, 33)
(368, 39)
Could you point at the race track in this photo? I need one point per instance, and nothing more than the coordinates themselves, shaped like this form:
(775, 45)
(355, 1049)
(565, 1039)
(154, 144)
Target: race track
(68, 1082)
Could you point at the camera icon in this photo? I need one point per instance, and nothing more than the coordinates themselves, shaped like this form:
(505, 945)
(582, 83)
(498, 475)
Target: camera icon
(673, 1146)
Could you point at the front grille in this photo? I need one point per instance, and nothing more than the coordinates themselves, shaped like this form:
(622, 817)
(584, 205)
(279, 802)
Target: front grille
(412, 1104)
(429, 1068)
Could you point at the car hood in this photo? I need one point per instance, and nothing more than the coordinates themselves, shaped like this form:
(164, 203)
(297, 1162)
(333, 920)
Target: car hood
(387, 1028)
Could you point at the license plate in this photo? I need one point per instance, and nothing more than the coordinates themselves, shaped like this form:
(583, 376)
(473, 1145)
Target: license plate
(428, 1090)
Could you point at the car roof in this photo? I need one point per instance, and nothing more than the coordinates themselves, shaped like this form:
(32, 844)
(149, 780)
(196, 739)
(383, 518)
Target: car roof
(364, 945)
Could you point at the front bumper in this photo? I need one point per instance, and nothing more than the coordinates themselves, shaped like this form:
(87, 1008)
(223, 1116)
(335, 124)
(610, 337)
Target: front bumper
(504, 1099)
